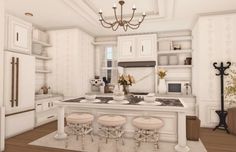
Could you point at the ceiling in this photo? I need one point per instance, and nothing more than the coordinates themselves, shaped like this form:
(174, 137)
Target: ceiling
(162, 15)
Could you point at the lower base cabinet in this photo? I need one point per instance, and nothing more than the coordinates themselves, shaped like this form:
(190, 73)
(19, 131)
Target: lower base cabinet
(46, 111)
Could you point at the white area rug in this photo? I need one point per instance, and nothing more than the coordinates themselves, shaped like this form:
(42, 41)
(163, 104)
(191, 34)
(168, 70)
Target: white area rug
(49, 141)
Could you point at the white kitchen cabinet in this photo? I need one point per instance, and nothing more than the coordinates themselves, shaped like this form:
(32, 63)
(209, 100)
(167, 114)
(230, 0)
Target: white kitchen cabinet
(46, 110)
(146, 46)
(137, 48)
(126, 47)
(18, 35)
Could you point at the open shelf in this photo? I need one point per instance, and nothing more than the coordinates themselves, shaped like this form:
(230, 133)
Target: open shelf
(174, 52)
(174, 38)
(42, 43)
(175, 66)
(43, 71)
(42, 57)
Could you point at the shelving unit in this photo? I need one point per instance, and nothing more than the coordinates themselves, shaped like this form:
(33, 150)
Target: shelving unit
(174, 66)
(40, 57)
(43, 71)
(173, 50)
(44, 44)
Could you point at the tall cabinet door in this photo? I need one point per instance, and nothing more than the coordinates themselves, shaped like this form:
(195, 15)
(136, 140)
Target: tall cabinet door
(126, 47)
(19, 35)
(19, 82)
(146, 46)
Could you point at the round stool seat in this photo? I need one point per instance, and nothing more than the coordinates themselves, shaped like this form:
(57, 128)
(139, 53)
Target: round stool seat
(80, 118)
(149, 123)
(111, 120)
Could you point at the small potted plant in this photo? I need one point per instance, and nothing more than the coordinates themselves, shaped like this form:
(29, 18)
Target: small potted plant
(230, 89)
(126, 81)
(162, 83)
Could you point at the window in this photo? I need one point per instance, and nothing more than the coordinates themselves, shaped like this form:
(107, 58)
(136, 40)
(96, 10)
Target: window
(109, 64)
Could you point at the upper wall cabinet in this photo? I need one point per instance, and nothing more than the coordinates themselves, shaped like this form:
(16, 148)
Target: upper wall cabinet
(18, 35)
(137, 48)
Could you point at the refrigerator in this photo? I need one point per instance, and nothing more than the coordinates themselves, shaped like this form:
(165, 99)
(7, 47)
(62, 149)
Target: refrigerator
(19, 88)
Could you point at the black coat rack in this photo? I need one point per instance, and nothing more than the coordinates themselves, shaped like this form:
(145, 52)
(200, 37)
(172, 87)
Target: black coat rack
(222, 113)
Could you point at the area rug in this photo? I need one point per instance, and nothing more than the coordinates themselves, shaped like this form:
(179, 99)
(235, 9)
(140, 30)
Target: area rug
(73, 144)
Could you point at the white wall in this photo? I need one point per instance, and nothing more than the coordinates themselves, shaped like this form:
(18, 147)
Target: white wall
(73, 62)
(214, 41)
(2, 128)
(1, 48)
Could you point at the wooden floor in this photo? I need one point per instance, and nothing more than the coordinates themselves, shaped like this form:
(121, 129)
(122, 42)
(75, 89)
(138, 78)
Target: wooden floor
(217, 141)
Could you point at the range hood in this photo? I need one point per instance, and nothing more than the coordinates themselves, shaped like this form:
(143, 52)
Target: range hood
(137, 64)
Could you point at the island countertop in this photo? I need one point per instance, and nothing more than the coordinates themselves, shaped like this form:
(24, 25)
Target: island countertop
(166, 104)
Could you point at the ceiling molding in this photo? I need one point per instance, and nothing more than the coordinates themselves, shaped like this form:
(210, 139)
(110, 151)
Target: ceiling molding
(83, 10)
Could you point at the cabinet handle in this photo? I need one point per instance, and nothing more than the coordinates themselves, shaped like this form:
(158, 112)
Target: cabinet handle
(17, 36)
(12, 81)
(49, 104)
(50, 117)
(130, 48)
(17, 81)
(142, 48)
(39, 104)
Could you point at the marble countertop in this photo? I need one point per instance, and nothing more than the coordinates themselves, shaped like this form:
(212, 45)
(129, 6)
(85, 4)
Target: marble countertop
(133, 100)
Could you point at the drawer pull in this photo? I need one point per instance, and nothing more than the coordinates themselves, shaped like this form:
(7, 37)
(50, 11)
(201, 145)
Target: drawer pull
(50, 117)
(39, 104)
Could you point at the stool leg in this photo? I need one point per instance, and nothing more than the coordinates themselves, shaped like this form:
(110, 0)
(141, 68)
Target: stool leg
(83, 141)
(156, 140)
(91, 135)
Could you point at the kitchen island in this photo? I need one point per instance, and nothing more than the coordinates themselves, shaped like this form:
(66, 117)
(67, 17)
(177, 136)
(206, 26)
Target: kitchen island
(171, 110)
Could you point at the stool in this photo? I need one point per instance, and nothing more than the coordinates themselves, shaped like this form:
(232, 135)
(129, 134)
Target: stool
(80, 124)
(111, 127)
(147, 129)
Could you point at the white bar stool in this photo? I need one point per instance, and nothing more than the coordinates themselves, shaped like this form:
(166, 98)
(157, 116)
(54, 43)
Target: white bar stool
(79, 124)
(147, 130)
(111, 127)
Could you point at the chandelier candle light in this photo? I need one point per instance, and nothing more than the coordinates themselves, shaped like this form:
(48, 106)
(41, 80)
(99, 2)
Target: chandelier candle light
(121, 21)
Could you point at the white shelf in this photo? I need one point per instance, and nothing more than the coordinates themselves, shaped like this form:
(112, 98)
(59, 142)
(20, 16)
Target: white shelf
(175, 66)
(178, 38)
(42, 43)
(174, 52)
(43, 71)
(105, 42)
(42, 57)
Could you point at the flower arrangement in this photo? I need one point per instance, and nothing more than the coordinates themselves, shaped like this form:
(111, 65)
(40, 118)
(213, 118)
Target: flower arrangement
(126, 80)
(230, 89)
(162, 73)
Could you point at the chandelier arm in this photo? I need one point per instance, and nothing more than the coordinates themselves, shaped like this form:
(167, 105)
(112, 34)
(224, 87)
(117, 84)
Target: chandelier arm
(132, 16)
(110, 25)
(125, 27)
(115, 15)
(114, 29)
(132, 24)
(134, 27)
(105, 20)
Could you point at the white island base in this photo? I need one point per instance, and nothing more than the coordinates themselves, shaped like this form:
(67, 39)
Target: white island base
(174, 118)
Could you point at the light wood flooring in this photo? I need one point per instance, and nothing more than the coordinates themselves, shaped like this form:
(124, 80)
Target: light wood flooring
(217, 141)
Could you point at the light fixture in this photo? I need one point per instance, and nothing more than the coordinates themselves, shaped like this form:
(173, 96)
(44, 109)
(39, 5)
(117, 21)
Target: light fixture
(121, 21)
(29, 14)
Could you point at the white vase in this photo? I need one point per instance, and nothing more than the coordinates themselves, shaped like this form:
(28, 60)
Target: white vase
(162, 86)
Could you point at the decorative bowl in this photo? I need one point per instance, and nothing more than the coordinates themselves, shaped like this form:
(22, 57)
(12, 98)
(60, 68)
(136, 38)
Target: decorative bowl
(150, 98)
(90, 96)
(118, 96)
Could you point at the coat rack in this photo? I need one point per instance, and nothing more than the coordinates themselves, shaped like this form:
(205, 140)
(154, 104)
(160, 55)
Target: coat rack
(222, 113)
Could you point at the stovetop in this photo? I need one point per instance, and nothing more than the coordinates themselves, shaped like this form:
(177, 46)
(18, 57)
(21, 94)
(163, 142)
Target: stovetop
(134, 100)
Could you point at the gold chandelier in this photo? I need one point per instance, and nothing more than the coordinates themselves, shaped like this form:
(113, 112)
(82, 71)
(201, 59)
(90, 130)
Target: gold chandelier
(121, 21)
